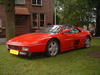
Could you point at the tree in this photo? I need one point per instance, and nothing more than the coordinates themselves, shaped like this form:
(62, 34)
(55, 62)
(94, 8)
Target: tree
(96, 4)
(10, 18)
(98, 20)
(73, 12)
(80, 12)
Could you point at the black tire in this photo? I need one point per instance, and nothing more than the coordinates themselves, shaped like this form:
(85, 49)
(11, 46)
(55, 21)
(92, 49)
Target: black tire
(52, 48)
(87, 43)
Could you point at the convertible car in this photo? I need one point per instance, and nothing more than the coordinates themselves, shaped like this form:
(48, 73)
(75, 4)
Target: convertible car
(51, 41)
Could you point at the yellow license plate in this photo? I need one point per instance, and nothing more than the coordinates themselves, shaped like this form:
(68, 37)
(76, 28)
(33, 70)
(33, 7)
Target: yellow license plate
(14, 52)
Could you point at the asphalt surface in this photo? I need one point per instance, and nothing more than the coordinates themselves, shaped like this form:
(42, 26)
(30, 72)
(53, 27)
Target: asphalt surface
(2, 40)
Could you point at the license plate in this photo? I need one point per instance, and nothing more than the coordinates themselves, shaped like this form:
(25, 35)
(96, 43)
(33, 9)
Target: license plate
(15, 52)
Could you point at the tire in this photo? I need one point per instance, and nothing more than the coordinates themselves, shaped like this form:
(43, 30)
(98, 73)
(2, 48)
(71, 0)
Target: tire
(87, 42)
(52, 48)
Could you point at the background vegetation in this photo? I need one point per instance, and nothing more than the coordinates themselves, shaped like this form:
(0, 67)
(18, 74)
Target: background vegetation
(79, 12)
(75, 12)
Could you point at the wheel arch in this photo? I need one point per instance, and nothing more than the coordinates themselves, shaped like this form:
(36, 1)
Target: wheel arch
(55, 39)
(90, 37)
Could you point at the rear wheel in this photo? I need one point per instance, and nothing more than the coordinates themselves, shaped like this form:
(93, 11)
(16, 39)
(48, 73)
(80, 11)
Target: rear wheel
(52, 48)
(87, 42)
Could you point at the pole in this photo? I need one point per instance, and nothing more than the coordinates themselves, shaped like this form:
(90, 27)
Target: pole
(55, 13)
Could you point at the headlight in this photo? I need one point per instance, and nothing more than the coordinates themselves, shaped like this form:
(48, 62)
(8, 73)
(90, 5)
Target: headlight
(25, 48)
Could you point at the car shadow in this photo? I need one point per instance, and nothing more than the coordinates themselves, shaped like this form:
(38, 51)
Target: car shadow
(73, 50)
(34, 56)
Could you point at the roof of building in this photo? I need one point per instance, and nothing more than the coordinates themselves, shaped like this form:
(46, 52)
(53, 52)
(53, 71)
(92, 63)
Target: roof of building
(22, 11)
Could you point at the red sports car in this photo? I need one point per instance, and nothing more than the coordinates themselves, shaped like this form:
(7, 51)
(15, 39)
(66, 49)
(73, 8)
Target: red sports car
(52, 40)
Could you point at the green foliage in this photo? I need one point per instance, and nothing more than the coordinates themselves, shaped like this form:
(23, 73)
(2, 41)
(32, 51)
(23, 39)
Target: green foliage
(93, 3)
(1, 1)
(74, 12)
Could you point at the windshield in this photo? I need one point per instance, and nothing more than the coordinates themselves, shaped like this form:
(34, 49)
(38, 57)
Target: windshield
(53, 29)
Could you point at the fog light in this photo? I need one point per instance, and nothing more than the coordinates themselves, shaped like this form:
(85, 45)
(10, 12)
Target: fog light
(25, 48)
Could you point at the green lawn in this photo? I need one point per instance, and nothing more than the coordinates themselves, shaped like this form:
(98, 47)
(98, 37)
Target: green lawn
(75, 62)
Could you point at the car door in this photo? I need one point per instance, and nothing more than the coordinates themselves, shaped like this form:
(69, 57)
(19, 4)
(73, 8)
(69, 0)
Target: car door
(78, 38)
(67, 40)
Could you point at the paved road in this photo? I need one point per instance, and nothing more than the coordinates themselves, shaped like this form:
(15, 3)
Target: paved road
(2, 40)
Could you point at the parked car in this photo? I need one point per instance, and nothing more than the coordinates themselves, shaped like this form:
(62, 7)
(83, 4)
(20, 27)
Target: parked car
(52, 40)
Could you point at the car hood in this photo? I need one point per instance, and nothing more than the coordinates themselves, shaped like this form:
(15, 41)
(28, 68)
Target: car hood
(28, 38)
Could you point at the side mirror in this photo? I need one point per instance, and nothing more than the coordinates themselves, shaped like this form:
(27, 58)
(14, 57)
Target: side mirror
(66, 30)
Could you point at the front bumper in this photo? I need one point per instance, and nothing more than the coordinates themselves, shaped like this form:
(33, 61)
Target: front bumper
(17, 52)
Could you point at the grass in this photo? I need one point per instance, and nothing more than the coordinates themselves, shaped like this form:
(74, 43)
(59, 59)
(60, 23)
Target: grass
(75, 62)
(1, 1)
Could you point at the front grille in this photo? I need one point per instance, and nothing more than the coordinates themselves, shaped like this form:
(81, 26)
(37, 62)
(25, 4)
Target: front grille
(14, 47)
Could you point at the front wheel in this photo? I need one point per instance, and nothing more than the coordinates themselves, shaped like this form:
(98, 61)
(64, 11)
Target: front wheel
(52, 48)
(87, 42)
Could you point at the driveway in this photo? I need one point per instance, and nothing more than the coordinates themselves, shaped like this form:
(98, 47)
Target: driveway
(2, 40)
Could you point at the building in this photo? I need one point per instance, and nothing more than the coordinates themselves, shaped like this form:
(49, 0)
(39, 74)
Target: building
(29, 15)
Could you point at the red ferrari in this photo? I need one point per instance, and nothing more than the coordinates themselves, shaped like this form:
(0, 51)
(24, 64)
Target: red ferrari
(52, 40)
